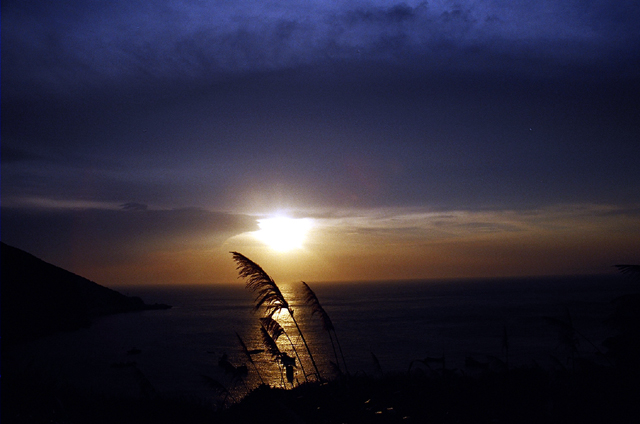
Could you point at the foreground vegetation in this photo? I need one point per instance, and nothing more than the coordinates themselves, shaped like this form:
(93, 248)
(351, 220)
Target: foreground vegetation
(576, 391)
(592, 394)
(526, 395)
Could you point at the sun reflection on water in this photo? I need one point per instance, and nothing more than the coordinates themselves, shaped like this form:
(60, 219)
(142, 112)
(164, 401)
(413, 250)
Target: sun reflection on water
(271, 370)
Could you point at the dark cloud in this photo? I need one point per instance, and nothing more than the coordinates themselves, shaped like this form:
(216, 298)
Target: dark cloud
(12, 155)
(353, 135)
(73, 48)
(103, 236)
(366, 103)
(133, 206)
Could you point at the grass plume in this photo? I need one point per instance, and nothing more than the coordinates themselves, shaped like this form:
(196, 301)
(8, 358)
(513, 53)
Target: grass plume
(312, 300)
(272, 348)
(275, 330)
(269, 295)
(569, 336)
(273, 327)
(249, 354)
(270, 345)
(630, 270)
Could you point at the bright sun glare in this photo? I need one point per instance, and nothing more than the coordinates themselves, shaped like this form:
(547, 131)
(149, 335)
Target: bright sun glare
(282, 233)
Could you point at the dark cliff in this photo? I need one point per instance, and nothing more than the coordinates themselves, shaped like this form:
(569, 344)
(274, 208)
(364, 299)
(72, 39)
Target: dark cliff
(38, 298)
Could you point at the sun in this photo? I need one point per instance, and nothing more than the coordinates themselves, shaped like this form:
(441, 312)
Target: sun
(283, 234)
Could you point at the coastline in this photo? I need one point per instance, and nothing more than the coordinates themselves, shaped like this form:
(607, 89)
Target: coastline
(110, 373)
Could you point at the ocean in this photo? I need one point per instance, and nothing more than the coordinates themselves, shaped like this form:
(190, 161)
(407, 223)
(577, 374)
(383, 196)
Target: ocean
(169, 351)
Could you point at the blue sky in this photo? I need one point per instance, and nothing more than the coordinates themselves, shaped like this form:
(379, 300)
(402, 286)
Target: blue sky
(138, 134)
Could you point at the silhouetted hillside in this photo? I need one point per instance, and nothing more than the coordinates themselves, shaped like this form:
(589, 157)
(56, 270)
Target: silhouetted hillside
(39, 298)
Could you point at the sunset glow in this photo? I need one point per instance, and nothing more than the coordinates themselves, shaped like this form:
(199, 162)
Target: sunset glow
(282, 233)
(330, 141)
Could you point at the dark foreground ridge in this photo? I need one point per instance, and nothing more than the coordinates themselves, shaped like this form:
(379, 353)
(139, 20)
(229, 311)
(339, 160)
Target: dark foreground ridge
(523, 395)
(40, 299)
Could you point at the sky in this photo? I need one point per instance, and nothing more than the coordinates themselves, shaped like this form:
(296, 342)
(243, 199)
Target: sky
(143, 141)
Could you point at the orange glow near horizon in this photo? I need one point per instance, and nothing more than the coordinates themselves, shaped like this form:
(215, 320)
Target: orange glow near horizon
(392, 245)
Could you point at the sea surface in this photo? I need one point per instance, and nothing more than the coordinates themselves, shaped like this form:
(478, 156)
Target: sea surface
(169, 351)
